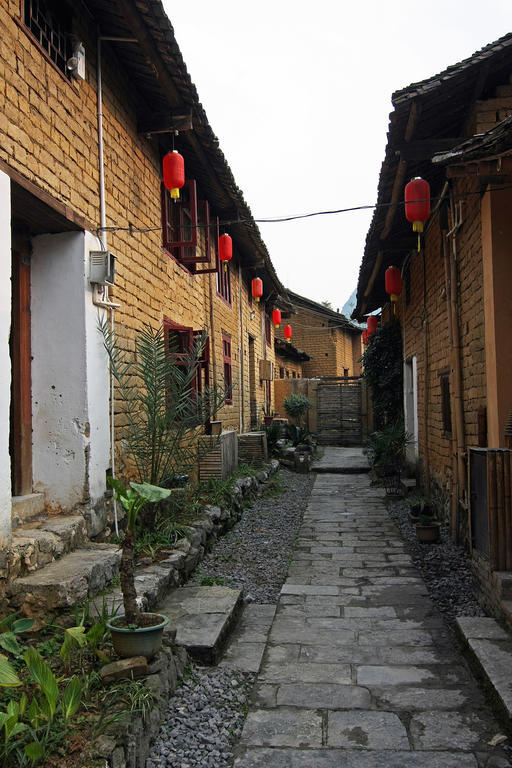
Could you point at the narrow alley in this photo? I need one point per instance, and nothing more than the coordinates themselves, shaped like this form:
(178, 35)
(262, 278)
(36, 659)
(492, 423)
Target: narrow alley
(359, 670)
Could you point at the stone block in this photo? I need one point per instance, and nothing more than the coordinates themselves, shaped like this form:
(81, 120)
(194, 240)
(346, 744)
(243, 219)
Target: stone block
(137, 666)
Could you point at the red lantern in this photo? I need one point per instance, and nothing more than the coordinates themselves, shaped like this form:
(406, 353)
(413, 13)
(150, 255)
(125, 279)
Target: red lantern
(393, 283)
(288, 332)
(257, 288)
(174, 173)
(371, 324)
(276, 317)
(225, 249)
(365, 338)
(417, 204)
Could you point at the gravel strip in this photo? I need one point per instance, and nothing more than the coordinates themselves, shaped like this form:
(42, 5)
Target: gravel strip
(206, 715)
(204, 719)
(255, 554)
(445, 567)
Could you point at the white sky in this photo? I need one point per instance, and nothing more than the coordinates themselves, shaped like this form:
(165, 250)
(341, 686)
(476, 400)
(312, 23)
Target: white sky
(299, 95)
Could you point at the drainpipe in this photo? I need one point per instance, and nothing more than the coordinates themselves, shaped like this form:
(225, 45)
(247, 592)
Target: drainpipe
(241, 349)
(456, 220)
(103, 300)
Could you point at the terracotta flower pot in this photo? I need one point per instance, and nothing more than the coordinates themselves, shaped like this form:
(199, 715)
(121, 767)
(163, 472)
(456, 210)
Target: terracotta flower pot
(137, 641)
(428, 533)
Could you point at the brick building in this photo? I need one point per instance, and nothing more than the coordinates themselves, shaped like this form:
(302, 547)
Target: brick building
(332, 342)
(454, 130)
(91, 100)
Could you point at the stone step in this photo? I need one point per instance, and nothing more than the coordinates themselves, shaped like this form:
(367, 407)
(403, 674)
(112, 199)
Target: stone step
(490, 651)
(203, 618)
(503, 583)
(247, 644)
(24, 508)
(62, 584)
(37, 543)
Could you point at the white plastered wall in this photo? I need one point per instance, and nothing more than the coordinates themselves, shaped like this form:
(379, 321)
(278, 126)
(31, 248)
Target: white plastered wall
(70, 387)
(5, 359)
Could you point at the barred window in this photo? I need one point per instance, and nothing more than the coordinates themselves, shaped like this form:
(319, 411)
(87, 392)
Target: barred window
(49, 22)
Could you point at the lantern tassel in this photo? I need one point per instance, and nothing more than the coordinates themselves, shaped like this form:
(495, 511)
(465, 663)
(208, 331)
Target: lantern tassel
(417, 226)
(175, 193)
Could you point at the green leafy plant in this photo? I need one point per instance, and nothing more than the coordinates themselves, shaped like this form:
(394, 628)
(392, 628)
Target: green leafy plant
(9, 628)
(161, 403)
(273, 432)
(389, 445)
(32, 728)
(133, 497)
(296, 407)
(383, 370)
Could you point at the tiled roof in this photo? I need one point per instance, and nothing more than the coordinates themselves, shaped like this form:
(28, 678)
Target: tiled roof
(428, 116)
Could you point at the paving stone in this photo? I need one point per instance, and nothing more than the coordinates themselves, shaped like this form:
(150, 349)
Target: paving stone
(284, 727)
(305, 589)
(323, 696)
(387, 675)
(434, 730)
(416, 699)
(480, 627)
(305, 672)
(338, 758)
(246, 656)
(366, 730)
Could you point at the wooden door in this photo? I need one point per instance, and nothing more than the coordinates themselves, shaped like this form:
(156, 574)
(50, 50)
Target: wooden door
(20, 437)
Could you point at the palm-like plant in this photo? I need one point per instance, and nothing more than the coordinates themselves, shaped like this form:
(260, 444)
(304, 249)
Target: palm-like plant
(163, 410)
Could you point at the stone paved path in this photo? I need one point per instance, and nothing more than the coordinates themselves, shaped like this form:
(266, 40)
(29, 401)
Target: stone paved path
(358, 670)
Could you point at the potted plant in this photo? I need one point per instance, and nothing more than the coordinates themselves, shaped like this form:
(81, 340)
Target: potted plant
(296, 407)
(420, 506)
(428, 530)
(135, 633)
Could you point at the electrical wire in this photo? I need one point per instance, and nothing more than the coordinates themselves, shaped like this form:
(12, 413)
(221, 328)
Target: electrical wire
(280, 219)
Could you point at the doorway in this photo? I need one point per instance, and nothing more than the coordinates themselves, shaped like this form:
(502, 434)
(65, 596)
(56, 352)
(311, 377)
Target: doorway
(252, 383)
(20, 434)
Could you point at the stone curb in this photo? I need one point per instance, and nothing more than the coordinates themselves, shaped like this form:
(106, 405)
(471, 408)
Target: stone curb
(128, 746)
(489, 649)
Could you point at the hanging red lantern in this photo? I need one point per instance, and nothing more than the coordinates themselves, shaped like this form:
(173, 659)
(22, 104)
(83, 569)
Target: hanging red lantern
(276, 317)
(417, 204)
(257, 288)
(364, 336)
(393, 283)
(288, 332)
(174, 173)
(225, 249)
(371, 324)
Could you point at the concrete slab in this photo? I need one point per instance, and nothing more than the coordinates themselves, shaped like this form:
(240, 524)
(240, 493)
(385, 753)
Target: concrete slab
(366, 730)
(203, 617)
(410, 699)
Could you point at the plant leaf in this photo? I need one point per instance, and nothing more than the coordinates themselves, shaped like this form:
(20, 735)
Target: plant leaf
(71, 698)
(34, 751)
(22, 625)
(150, 492)
(9, 643)
(44, 677)
(8, 676)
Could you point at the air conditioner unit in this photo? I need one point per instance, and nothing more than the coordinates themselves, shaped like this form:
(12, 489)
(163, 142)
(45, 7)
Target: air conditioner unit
(266, 370)
(102, 267)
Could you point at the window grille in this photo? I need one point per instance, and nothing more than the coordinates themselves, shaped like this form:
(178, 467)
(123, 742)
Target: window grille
(50, 27)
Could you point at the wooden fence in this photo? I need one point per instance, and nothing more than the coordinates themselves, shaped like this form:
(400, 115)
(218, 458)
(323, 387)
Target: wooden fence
(491, 505)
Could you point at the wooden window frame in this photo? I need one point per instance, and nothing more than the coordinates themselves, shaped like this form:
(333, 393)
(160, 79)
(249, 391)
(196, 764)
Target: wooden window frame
(224, 282)
(188, 335)
(64, 14)
(268, 332)
(228, 368)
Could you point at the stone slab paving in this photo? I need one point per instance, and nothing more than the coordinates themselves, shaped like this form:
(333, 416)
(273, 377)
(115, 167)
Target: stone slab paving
(203, 618)
(359, 670)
